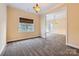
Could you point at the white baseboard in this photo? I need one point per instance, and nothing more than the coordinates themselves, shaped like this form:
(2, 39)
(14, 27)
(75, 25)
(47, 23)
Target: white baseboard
(74, 46)
(2, 50)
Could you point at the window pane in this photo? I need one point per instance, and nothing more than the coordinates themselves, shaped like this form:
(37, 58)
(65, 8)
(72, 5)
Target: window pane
(26, 27)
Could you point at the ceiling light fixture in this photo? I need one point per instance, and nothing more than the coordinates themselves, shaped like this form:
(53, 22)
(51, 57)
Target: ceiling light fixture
(36, 8)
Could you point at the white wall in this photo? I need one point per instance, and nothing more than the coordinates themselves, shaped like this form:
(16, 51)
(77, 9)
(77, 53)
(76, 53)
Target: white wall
(2, 26)
(43, 29)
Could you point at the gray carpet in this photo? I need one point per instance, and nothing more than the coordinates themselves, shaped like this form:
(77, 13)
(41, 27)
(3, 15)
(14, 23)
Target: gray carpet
(54, 45)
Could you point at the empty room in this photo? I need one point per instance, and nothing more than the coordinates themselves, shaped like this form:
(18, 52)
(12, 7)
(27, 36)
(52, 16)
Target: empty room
(39, 29)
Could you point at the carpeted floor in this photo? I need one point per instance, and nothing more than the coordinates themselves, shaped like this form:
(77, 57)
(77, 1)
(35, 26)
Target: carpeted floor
(53, 45)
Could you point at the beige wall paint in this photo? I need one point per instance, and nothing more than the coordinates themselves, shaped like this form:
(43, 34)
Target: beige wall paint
(13, 22)
(3, 22)
(73, 25)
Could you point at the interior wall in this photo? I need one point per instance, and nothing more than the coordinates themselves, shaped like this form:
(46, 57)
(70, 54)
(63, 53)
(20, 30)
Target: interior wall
(43, 24)
(13, 23)
(73, 25)
(3, 23)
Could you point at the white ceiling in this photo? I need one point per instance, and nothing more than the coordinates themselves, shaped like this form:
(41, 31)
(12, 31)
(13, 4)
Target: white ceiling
(29, 6)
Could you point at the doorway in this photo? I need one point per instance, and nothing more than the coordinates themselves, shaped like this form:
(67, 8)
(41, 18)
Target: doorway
(54, 24)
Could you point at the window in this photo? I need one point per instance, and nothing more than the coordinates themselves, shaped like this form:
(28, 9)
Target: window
(26, 25)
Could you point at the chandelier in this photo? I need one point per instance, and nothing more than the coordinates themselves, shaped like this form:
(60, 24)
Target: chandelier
(36, 8)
